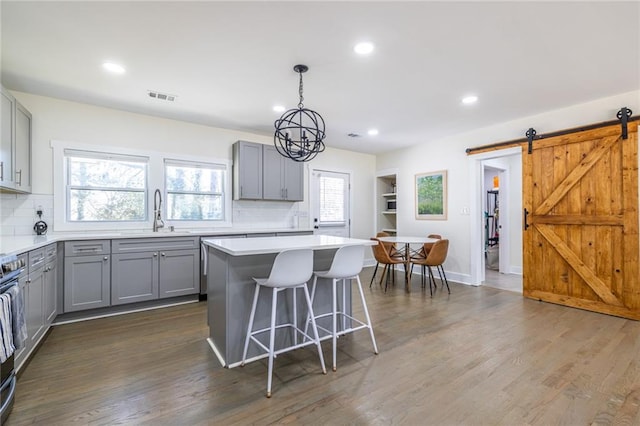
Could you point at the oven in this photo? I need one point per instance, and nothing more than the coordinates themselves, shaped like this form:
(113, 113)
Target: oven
(10, 270)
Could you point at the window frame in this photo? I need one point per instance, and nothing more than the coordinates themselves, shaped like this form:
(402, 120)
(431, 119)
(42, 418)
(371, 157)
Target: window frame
(193, 164)
(68, 187)
(155, 179)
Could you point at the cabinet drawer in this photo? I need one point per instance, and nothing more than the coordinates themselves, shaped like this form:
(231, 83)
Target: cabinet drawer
(51, 252)
(86, 248)
(36, 258)
(151, 244)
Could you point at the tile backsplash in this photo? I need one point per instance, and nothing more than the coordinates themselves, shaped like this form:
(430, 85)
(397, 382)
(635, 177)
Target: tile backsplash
(19, 214)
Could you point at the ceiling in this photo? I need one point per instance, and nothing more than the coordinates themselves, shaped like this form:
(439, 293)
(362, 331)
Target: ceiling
(229, 63)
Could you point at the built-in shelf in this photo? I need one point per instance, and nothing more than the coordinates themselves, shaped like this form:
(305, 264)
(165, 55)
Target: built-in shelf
(386, 202)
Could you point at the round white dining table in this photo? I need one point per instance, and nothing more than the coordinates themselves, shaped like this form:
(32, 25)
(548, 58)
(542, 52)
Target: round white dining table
(407, 241)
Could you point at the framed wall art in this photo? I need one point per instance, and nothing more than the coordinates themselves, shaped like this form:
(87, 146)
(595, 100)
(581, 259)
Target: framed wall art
(431, 195)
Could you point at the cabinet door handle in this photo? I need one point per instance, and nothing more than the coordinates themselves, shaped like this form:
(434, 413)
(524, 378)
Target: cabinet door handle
(19, 182)
(105, 258)
(286, 193)
(162, 254)
(155, 254)
(1, 170)
(28, 280)
(241, 190)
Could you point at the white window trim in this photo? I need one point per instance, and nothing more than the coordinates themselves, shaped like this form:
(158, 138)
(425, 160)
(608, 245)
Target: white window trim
(155, 181)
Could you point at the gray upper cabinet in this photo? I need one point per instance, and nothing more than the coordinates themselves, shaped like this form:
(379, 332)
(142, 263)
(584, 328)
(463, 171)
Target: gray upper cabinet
(15, 146)
(261, 173)
(7, 132)
(282, 177)
(247, 171)
(22, 172)
(87, 275)
(293, 180)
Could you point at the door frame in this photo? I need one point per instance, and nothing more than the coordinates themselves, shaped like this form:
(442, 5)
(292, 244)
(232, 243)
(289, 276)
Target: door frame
(313, 195)
(476, 178)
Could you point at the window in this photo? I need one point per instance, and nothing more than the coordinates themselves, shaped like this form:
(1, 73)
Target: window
(333, 194)
(102, 187)
(195, 191)
(95, 189)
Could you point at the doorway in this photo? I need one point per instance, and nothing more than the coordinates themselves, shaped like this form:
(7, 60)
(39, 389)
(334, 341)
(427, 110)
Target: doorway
(496, 223)
(330, 200)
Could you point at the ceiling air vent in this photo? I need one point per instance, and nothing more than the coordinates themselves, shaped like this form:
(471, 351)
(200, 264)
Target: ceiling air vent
(162, 96)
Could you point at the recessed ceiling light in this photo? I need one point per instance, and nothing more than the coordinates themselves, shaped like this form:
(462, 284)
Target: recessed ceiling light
(363, 48)
(372, 132)
(278, 108)
(468, 100)
(114, 68)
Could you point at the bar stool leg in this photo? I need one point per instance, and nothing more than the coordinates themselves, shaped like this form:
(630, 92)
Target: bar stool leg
(366, 314)
(334, 304)
(272, 339)
(250, 328)
(315, 328)
(313, 295)
(295, 317)
(342, 305)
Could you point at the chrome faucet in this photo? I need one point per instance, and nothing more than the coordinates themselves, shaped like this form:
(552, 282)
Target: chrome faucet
(157, 211)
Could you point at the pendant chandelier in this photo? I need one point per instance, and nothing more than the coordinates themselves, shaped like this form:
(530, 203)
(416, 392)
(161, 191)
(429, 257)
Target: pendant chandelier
(300, 131)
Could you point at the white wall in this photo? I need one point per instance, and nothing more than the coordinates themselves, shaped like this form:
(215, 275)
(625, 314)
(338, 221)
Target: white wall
(449, 153)
(55, 119)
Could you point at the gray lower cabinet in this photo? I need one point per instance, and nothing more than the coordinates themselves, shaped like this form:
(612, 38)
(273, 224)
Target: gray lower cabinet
(34, 298)
(87, 275)
(50, 302)
(152, 268)
(38, 286)
(179, 273)
(134, 277)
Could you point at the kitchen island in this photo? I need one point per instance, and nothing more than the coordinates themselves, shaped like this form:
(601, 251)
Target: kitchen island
(231, 264)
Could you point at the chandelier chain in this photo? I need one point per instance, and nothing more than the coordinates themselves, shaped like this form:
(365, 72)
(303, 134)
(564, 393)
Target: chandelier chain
(300, 104)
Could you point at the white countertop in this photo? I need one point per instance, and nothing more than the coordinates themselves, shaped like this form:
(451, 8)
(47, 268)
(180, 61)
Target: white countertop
(251, 246)
(22, 243)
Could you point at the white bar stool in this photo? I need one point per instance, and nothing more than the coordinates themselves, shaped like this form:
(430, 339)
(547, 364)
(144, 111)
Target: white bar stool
(346, 265)
(291, 270)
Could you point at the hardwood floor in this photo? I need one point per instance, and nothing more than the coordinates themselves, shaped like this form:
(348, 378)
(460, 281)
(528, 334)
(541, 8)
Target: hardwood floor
(477, 356)
(510, 282)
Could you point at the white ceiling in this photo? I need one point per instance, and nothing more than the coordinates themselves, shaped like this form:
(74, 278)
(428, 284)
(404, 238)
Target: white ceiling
(230, 62)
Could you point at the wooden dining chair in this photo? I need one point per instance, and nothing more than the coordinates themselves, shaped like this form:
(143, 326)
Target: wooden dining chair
(436, 257)
(391, 247)
(426, 247)
(382, 256)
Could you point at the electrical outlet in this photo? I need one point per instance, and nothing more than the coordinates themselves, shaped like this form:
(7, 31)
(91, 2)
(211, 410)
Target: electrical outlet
(465, 211)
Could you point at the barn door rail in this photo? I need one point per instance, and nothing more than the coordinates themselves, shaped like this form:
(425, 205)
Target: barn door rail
(624, 116)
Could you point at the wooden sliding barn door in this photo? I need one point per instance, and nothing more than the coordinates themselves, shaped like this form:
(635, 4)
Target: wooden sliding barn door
(580, 195)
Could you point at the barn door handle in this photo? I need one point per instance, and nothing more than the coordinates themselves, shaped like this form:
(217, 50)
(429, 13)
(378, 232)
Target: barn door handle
(526, 213)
